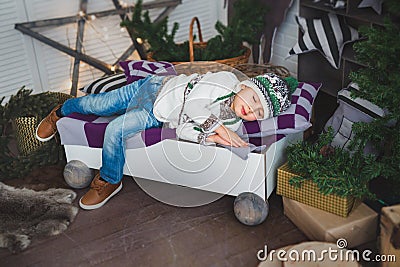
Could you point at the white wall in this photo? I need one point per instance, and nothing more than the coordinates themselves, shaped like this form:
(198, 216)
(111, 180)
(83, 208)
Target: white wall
(26, 61)
(14, 68)
(285, 38)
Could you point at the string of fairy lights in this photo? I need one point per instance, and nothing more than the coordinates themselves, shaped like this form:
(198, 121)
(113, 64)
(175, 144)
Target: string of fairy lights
(86, 23)
(102, 35)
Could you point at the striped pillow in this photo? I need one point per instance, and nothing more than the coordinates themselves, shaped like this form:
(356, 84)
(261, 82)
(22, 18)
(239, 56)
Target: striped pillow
(105, 84)
(295, 119)
(138, 69)
(328, 35)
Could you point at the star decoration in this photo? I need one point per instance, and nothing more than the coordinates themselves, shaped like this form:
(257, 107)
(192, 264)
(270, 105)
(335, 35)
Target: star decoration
(120, 9)
(374, 4)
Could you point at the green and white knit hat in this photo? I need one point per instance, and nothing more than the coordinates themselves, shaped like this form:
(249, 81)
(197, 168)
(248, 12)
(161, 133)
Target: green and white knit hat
(273, 91)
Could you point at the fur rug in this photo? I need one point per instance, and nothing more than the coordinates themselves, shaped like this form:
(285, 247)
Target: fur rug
(26, 214)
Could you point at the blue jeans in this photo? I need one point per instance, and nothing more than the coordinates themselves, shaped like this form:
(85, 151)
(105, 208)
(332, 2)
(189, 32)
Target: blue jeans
(134, 103)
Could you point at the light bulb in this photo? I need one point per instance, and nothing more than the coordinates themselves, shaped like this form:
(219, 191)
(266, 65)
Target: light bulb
(123, 4)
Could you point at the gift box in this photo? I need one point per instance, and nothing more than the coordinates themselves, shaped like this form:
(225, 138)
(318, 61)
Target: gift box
(390, 235)
(358, 228)
(309, 194)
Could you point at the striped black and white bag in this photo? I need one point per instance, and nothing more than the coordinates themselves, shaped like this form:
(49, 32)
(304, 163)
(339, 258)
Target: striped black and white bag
(327, 34)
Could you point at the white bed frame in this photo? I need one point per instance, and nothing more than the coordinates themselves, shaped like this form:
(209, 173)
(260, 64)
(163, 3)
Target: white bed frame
(209, 168)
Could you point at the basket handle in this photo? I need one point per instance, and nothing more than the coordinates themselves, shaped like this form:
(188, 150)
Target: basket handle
(191, 49)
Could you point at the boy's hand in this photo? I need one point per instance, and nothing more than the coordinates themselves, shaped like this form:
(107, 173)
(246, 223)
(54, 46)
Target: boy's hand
(225, 136)
(215, 138)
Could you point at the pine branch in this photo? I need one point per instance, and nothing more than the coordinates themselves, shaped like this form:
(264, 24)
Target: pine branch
(246, 26)
(332, 169)
(19, 105)
(379, 83)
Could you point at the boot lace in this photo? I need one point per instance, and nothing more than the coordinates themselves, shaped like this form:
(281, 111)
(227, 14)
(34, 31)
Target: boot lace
(51, 120)
(98, 185)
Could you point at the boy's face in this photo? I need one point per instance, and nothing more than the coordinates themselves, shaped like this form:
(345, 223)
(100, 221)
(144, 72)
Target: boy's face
(247, 105)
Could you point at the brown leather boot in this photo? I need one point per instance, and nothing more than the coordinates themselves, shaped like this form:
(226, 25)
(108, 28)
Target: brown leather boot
(47, 127)
(99, 193)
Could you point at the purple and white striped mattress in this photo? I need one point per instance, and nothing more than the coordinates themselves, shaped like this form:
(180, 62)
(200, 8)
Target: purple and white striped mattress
(88, 130)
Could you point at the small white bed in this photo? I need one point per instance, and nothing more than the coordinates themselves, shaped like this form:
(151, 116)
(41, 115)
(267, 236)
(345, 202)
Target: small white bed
(157, 155)
(211, 168)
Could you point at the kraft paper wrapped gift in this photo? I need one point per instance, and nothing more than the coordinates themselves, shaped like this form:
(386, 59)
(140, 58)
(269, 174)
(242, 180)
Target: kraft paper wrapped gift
(309, 194)
(358, 228)
(390, 234)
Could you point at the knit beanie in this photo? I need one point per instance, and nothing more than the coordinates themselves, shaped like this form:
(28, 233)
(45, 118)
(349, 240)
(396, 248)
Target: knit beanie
(273, 91)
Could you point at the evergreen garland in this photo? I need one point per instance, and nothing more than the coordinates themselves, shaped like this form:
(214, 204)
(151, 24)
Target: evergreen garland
(334, 170)
(25, 104)
(247, 22)
(379, 83)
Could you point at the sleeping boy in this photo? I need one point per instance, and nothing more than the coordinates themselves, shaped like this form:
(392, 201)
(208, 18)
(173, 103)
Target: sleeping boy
(206, 108)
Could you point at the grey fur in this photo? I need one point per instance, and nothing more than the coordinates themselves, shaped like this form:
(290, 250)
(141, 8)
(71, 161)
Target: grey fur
(26, 214)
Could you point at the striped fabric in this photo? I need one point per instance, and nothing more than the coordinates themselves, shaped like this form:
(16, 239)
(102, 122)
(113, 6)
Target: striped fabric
(105, 84)
(295, 119)
(138, 69)
(88, 130)
(327, 34)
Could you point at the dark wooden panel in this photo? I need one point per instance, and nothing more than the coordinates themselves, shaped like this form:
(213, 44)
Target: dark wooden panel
(313, 67)
(324, 106)
(134, 229)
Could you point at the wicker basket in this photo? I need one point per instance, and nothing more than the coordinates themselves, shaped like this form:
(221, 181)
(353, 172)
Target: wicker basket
(242, 71)
(25, 128)
(202, 67)
(61, 97)
(242, 59)
(252, 70)
(25, 134)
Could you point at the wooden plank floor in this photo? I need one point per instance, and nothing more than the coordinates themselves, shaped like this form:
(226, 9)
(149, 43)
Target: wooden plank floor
(134, 229)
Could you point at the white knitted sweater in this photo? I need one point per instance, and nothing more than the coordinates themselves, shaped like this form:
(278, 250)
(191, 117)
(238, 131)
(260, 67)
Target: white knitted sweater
(196, 111)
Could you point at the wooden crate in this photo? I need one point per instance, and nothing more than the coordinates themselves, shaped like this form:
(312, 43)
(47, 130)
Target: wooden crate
(390, 235)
